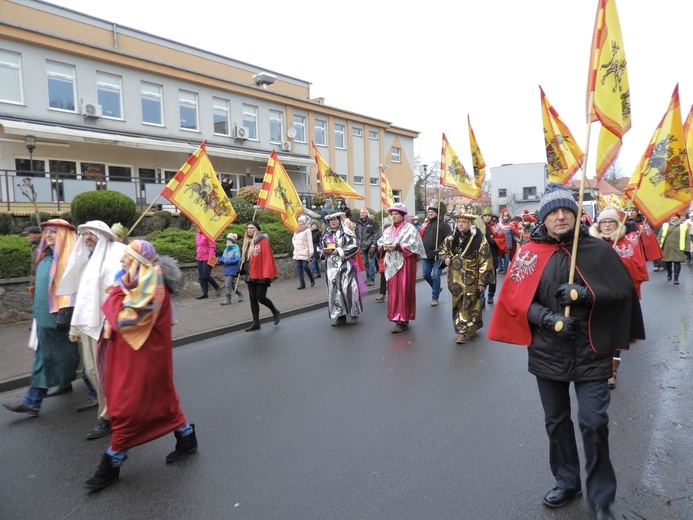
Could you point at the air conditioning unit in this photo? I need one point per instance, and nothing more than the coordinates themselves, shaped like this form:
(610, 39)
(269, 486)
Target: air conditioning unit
(91, 110)
(286, 146)
(242, 132)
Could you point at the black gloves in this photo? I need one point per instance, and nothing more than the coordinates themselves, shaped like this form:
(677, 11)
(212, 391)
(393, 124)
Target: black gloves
(573, 294)
(562, 326)
(63, 318)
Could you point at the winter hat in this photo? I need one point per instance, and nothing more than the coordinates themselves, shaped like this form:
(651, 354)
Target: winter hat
(254, 224)
(120, 230)
(433, 207)
(232, 236)
(556, 196)
(608, 213)
(31, 229)
(399, 208)
(487, 211)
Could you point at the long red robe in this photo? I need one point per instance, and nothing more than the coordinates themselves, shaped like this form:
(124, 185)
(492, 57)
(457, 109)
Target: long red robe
(142, 402)
(401, 290)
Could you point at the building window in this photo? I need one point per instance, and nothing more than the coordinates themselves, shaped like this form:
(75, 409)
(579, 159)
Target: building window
(109, 93)
(529, 193)
(61, 86)
(10, 77)
(397, 195)
(375, 181)
(320, 132)
(250, 120)
(187, 101)
(276, 120)
(358, 179)
(502, 192)
(66, 169)
(300, 127)
(152, 104)
(30, 168)
(395, 154)
(339, 139)
(373, 134)
(222, 116)
(356, 131)
(119, 173)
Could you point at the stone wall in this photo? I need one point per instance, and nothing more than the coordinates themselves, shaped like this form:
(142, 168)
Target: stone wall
(15, 301)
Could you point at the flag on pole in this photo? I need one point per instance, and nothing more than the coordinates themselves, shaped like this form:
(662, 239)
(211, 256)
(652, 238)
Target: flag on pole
(453, 174)
(608, 81)
(661, 184)
(478, 163)
(330, 182)
(196, 191)
(278, 193)
(386, 196)
(563, 155)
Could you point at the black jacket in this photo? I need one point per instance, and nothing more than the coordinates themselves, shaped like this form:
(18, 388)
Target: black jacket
(429, 236)
(367, 233)
(613, 318)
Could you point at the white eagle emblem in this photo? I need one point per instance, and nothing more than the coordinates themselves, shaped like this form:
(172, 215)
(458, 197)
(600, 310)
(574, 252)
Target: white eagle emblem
(523, 265)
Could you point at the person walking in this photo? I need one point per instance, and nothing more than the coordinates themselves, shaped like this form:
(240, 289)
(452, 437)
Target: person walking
(468, 255)
(604, 316)
(367, 234)
(674, 241)
(206, 256)
(302, 242)
(142, 400)
(33, 236)
(56, 358)
(231, 260)
(259, 270)
(402, 247)
(496, 242)
(338, 247)
(433, 234)
(316, 235)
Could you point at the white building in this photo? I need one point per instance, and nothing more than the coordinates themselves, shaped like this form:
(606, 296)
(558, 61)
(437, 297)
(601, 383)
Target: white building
(518, 187)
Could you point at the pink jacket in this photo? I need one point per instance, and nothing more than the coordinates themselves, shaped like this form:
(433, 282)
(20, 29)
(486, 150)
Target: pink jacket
(205, 247)
(303, 245)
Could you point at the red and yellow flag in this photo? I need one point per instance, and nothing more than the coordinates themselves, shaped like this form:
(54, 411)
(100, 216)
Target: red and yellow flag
(563, 155)
(608, 91)
(478, 163)
(661, 184)
(279, 194)
(196, 191)
(453, 174)
(386, 196)
(330, 182)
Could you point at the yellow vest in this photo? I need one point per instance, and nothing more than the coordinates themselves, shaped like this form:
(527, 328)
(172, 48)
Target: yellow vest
(682, 236)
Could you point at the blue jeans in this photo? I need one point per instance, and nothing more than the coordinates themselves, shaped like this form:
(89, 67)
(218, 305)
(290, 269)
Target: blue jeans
(34, 397)
(204, 275)
(315, 266)
(302, 265)
(369, 264)
(431, 273)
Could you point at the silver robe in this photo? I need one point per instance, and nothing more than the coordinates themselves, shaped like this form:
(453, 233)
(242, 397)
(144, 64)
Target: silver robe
(343, 296)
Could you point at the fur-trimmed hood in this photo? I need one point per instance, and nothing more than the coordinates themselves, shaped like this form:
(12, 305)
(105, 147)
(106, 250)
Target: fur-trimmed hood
(613, 237)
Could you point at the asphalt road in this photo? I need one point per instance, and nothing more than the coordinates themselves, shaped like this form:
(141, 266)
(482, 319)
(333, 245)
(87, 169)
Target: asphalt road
(305, 421)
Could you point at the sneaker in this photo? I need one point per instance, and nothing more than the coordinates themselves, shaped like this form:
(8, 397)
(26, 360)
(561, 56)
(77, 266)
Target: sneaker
(219, 291)
(203, 297)
(86, 405)
(102, 429)
(240, 298)
(21, 408)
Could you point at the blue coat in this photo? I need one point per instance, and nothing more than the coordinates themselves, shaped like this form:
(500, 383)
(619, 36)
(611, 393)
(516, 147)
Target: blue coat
(231, 258)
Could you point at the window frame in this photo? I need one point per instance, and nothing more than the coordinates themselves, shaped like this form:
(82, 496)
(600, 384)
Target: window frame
(358, 179)
(107, 87)
(396, 158)
(9, 67)
(190, 104)
(373, 135)
(320, 130)
(339, 135)
(504, 192)
(252, 118)
(152, 97)
(275, 121)
(374, 181)
(58, 76)
(221, 108)
(356, 131)
(299, 123)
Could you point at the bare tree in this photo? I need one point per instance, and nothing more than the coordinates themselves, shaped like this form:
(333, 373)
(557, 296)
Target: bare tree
(27, 188)
(613, 172)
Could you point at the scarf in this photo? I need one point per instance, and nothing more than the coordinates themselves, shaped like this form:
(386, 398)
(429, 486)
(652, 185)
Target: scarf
(61, 251)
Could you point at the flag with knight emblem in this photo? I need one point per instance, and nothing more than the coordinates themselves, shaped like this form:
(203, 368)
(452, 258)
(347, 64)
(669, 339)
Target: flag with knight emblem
(563, 156)
(330, 182)
(279, 194)
(453, 174)
(478, 163)
(196, 191)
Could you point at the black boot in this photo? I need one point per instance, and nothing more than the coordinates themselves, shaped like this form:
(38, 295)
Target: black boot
(184, 446)
(105, 474)
(302, 286)
(277, 316)
(312, 280)
(253, 326)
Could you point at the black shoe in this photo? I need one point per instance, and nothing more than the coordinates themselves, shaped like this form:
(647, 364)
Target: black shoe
(203, 297)
(317, 275)
(184, 446)
(490, 300)
(105, 475)
(253, 326)
(21, 408)
(603, 513)
(312, 282)
(58, 390)
(302, 286)
(676, 280)
(559, 497)
(102, 429)
(277, 317)
(668, 278)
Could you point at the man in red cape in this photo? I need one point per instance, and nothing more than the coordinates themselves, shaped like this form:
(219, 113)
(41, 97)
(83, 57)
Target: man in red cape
(142, 402)
(604, 316)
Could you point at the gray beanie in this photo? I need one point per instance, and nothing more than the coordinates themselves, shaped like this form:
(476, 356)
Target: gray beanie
(556, 196)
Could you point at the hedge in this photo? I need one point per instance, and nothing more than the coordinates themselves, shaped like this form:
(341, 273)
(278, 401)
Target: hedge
(15, 257)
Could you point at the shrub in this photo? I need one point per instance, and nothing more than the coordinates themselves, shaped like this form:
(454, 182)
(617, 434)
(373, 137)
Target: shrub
(318, 200)
(42, 215)
(108, 206)
(6, 223)
(279, 237)
(249, 194)
(167, 216)
(148, 225)
(264, 216)
(178, 243)
(183, 223)
(244, 210)
(15, 257)
(67, 216)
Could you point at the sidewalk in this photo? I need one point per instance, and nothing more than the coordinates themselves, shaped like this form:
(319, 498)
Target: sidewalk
(197, 320)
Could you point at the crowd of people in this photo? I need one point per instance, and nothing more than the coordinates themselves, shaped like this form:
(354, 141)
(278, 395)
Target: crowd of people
(571, 291)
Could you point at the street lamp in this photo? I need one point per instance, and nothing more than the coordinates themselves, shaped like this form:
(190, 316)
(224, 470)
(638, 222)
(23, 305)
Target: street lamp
(31, 146)
(425, 169)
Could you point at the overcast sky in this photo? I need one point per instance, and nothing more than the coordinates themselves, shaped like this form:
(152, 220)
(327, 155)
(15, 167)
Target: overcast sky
(424, 66)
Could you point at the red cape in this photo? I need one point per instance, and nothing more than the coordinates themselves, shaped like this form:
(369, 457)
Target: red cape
(649, 242)
(262, 264)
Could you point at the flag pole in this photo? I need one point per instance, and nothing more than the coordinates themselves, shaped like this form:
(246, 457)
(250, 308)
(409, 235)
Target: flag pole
(143, 214)
(583, 177)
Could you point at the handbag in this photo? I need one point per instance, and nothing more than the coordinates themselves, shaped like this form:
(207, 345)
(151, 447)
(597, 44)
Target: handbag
(63, 318)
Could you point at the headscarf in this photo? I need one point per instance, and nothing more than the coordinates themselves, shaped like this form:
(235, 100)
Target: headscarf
(143, 285)
(62, 250)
